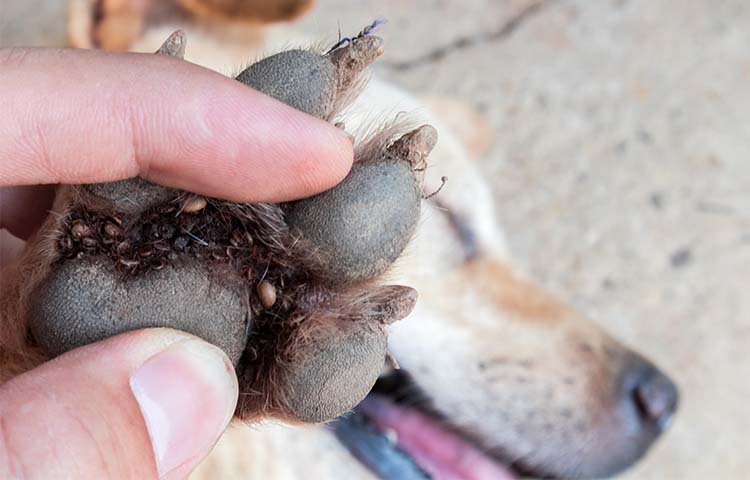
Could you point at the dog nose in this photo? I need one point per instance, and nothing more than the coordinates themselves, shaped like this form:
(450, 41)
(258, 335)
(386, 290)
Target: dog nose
(653, 395)
(656, 397)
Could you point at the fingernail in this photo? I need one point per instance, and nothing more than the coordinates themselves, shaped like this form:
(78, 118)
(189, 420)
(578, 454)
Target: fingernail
(187, 395)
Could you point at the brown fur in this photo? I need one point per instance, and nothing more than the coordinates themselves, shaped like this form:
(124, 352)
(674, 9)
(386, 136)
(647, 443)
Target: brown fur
(510, 292)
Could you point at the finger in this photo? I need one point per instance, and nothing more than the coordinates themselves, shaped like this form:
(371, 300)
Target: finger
(22, 209)
(145, 404)
(80, 116)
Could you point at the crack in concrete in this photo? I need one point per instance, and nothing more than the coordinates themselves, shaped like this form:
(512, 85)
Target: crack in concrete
(468, 41)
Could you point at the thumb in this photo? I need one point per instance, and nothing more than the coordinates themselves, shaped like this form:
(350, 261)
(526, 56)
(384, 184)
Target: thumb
(145, 404)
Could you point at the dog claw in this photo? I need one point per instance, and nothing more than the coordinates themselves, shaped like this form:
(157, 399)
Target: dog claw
(392, 360)
(415, 146)
(174, 45)
(394, 302)
(353, 58)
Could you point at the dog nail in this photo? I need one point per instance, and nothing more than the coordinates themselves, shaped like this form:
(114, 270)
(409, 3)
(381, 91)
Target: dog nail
(392, 360)
(174, 45)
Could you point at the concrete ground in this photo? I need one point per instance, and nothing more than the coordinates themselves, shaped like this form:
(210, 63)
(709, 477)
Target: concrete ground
(620, 164)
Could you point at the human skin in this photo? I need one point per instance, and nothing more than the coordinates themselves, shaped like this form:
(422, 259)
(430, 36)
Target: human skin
(84, 117)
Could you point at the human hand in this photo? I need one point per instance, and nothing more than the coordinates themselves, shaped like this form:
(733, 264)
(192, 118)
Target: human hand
(150, 403)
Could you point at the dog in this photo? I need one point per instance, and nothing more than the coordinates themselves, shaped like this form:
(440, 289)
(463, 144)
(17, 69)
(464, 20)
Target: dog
(495, 378)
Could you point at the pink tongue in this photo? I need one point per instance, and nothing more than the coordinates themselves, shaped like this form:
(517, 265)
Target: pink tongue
(441, 453)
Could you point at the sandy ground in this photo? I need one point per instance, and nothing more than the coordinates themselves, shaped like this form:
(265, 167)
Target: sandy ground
(620, 164)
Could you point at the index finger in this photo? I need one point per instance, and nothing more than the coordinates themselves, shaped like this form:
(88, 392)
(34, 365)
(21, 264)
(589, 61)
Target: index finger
(79, 116)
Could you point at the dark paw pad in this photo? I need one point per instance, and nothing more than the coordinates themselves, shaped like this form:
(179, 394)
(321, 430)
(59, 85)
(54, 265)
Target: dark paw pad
(87, 300)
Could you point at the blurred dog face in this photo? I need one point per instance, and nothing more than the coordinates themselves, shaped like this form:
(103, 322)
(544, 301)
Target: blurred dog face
(519, 375)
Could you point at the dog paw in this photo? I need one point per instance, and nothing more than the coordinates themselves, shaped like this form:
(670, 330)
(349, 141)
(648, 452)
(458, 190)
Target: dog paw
(288, 291)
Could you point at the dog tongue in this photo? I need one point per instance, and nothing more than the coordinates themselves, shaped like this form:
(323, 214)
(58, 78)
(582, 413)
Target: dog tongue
(441, 453)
